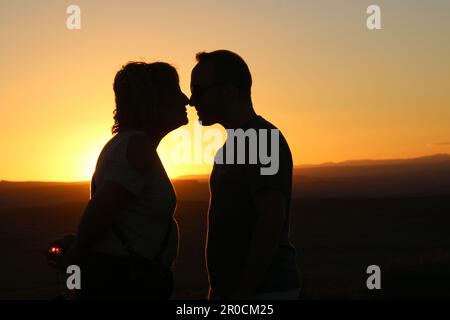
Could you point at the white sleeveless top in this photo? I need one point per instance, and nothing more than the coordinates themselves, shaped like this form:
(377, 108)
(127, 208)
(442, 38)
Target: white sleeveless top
(144, 222)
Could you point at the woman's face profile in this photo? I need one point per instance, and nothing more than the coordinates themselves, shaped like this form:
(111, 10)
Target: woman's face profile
(171, 111)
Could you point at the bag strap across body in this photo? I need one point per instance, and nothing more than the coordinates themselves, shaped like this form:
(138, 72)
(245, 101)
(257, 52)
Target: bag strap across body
(133, 253)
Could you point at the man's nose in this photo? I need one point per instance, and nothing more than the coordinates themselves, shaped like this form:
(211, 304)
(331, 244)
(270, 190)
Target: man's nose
(186, 100)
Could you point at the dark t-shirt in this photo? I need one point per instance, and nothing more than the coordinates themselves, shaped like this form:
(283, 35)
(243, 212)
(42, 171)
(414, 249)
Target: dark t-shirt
(232, 215)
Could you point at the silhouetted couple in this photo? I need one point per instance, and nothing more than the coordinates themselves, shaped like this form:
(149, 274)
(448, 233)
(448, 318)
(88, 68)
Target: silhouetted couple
(127, 239)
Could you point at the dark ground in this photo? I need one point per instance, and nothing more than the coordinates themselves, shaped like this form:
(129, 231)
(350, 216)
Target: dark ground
(336, 238)
(406, 234)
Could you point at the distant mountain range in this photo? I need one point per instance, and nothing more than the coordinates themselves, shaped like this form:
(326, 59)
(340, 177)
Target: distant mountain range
(437, 158)
(422, 176)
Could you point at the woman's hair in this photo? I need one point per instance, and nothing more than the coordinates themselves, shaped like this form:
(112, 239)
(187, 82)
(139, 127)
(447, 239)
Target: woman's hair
(138, 88)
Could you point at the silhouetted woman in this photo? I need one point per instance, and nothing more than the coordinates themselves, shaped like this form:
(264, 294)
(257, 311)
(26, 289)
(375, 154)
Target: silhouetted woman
(127, 238)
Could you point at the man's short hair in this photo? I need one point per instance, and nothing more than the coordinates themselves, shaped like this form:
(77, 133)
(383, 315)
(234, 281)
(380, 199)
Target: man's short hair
(229, 68)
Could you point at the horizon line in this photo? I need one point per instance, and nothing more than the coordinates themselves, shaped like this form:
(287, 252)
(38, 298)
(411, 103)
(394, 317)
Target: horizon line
(323, 164)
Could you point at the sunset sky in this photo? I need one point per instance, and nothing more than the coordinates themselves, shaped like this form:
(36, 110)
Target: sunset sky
(337, 90)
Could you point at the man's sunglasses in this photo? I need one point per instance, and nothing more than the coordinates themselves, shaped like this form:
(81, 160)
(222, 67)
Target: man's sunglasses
(199, 91)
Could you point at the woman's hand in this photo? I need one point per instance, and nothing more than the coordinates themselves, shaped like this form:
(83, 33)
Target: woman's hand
(73, 256)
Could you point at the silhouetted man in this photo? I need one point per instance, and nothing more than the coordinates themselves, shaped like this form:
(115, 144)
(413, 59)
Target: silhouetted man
(249, 255)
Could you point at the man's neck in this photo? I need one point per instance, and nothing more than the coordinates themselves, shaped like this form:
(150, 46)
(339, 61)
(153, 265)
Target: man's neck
(238, 120)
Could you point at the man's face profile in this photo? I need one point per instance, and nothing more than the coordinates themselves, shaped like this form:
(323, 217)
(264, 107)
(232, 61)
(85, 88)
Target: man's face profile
(205, 94)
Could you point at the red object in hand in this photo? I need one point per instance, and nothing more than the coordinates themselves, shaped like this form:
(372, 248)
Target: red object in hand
(58, 248)
(54, 250)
